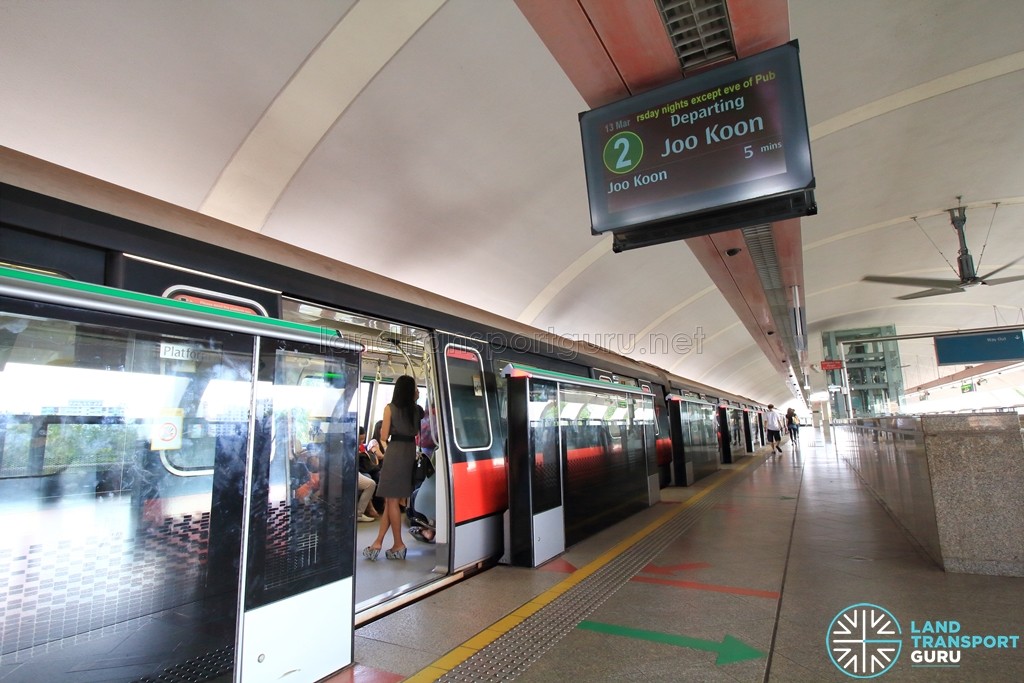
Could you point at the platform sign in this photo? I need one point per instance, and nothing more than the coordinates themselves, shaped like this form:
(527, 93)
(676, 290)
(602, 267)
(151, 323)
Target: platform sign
(724, 138)
(966, 349)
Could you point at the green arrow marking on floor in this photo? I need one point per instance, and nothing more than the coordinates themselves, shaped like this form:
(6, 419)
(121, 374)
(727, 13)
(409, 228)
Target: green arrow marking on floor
(729, 650)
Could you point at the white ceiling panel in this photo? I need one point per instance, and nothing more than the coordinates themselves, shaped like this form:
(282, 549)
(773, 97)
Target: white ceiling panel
(451, 169)
(458, 168)
(635, 289)
(154, 96)
(857, 52)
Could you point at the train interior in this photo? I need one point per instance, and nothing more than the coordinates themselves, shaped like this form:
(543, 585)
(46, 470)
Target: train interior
(392, 350)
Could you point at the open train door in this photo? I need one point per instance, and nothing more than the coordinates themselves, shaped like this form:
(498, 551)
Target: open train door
(468, 395)
(298, 547)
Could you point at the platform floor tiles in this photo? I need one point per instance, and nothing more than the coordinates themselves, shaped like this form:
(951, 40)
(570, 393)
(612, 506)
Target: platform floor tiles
(776, 568)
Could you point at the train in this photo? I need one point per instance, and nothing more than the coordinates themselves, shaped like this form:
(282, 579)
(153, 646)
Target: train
(166, 381)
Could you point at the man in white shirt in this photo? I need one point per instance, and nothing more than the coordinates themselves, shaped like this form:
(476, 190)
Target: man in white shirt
(774, 423)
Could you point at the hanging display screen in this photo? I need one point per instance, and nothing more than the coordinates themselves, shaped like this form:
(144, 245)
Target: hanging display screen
(684, 154)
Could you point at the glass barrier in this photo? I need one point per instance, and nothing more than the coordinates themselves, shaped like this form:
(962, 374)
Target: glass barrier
(108, 439)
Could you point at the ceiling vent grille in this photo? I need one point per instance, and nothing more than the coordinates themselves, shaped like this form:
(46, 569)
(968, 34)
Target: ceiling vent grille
(699, 30)
(761, 245)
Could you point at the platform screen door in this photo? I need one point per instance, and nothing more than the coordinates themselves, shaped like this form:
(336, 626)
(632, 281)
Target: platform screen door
(298, 588)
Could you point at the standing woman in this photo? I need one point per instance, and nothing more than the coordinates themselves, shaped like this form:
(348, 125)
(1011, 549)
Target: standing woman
(400, 426)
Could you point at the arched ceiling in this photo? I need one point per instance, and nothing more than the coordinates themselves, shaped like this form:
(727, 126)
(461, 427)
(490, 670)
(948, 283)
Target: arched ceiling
(436, 142)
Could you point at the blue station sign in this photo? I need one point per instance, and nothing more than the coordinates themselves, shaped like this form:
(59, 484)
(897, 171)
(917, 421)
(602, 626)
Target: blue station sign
(966, 349)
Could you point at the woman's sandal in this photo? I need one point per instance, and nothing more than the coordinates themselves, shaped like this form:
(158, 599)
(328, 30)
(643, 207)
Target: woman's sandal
(396, 554)
(371, 553)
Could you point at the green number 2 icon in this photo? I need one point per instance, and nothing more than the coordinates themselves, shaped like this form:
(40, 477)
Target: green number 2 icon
(623, 152)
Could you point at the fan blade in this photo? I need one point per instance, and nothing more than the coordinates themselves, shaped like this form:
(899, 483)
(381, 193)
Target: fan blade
(913, 281)
(1001, 268)
(929, 292)
(1004, 280)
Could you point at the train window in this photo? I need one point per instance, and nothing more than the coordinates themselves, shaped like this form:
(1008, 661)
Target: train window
(206, 297)
(645, 410)
(382, 394)
(471, 417)
(655, 412)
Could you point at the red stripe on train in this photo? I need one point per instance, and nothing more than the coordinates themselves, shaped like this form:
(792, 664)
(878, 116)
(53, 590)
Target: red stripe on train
(480, 488)
(663, 451)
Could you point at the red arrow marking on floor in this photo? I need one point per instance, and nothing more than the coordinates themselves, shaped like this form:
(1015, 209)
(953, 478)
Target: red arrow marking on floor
(673, 568)
(558, 565)
(734, 590)
(366, 674)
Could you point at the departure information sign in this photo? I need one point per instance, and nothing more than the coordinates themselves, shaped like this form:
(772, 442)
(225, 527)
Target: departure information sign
(725, 137)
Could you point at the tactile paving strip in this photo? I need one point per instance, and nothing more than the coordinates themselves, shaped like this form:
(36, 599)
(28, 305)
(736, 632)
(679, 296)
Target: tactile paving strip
(510, 655)
(217, 663)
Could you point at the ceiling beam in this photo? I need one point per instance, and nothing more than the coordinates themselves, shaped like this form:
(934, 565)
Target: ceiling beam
(758, 25)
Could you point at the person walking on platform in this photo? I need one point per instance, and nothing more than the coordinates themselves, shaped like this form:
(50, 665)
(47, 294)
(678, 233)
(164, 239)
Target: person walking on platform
(774, 423)
(792, 426)
(399, 430)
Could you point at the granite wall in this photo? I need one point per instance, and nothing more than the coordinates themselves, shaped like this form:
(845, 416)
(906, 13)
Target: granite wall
(888, 453)
(955, 483)
(976, 463)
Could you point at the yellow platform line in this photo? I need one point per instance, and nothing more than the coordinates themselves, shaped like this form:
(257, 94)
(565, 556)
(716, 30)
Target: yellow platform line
(499, 628)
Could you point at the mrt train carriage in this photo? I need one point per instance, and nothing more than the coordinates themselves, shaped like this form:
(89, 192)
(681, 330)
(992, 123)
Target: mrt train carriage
(663, 439)
(175, 493)
(580, 457)
(739, 430)
(696, 452)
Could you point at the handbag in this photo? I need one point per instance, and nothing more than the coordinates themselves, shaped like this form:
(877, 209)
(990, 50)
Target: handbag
(424, 467)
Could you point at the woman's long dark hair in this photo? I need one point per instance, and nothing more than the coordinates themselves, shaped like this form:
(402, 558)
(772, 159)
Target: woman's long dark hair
(405, 394)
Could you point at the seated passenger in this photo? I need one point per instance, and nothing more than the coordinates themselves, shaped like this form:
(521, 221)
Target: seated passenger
(371, 459)
(421, 505)
(311, 484)
(364, 506)
(365, 510)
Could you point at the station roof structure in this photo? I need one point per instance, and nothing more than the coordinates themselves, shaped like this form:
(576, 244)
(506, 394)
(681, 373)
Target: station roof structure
(437, 142)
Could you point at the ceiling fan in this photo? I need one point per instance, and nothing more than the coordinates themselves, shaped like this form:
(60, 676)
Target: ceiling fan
(965, 267)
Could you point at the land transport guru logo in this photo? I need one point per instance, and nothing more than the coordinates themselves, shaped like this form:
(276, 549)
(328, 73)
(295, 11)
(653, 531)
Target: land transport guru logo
(865, 641)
